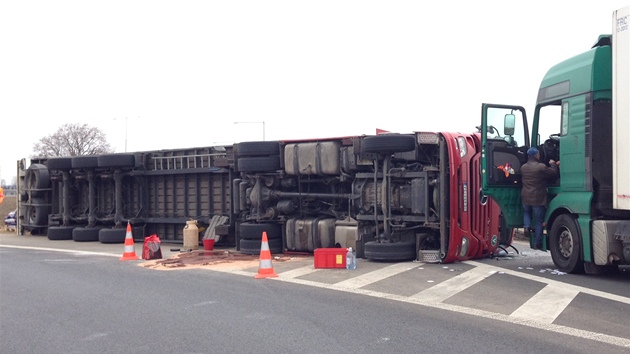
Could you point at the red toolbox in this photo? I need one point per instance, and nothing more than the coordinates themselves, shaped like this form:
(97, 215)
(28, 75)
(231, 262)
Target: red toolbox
(330, 257)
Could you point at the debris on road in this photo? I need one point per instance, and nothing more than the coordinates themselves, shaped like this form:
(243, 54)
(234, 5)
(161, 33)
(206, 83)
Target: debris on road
(210, 259)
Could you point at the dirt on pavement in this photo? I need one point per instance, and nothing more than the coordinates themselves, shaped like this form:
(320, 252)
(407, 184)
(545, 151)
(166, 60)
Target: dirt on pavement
(215, 259)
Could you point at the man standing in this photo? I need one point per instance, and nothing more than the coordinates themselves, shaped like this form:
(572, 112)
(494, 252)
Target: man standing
(534, 192)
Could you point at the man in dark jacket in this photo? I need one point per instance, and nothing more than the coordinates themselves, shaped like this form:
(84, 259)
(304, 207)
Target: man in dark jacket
(534, 193)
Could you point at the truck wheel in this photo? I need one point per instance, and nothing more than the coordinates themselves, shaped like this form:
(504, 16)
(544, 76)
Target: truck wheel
(57, 233)
(565, 245)
(85, 162)
(85, 234)
(258, 164)
(117, 160)
(37, 212)
(59, 163)
(38, 178)
(388, 143)
(391, 252)
(112, 235)
(253, 246)
(257, 148)
(254, 231)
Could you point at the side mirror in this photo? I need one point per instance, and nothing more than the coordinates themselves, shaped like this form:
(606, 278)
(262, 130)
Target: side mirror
(509, 122)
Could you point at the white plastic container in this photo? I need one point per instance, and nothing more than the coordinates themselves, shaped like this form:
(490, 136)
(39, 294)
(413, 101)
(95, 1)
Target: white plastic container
(191, 235)
(351, 259)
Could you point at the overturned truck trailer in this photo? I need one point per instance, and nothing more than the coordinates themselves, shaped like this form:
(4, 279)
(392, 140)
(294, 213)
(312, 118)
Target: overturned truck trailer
(92, 198)
(392, 197)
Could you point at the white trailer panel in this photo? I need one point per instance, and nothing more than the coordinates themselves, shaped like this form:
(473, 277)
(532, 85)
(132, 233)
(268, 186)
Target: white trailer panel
(621, 108)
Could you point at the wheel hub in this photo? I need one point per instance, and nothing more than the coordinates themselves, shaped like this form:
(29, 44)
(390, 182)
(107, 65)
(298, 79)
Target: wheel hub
(566, 243)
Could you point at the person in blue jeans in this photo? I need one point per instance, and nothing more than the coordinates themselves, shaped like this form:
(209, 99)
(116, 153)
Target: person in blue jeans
(535, 175)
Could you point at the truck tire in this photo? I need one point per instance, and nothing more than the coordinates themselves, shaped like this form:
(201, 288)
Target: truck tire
(253, 246)
(254, 231)
(37, 179)
(388, 143)
(565, 245)
(257, 148)
(37, 212)
(116, 160)
(258, 164)
(390, 252)
(85, 234)
(57, 233)
(107, 235)
(59, 163)
(85, 162)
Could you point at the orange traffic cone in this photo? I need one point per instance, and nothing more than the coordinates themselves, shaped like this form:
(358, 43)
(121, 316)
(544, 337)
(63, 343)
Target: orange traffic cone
(130, 252)
(265, 269)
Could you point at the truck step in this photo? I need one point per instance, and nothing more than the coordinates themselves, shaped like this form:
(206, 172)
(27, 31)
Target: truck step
(429, 256)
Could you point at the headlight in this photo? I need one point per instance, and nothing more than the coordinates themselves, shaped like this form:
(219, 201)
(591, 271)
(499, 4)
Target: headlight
(463, 148)
(463, 250)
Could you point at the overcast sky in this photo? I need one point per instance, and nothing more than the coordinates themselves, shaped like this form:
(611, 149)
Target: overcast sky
(178, 74)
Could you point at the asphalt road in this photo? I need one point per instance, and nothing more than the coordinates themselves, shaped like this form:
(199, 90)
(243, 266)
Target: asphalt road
(79, 302)
(66, 303)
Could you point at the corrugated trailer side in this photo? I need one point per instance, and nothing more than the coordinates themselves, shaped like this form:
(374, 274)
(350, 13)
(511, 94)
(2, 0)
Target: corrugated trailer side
(173, 186)
(94, 197)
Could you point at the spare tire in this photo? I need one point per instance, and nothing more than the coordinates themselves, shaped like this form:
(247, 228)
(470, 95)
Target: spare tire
(388, 143)
(390, 252)
(37, 212)
(257, 148)
(258, 164)
(37, 179)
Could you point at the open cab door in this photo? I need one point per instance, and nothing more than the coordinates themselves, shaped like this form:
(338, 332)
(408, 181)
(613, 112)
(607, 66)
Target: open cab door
(504, 141)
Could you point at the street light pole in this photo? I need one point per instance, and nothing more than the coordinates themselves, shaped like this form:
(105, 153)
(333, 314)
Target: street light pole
(258, 122)
(126, 130)
(126, 125)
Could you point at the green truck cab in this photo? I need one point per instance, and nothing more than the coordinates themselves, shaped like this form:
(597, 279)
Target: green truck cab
(577, 121)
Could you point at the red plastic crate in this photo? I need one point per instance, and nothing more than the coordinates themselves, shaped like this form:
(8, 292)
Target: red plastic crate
(330, 257)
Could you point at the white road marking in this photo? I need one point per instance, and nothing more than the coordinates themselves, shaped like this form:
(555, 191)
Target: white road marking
(373, 276)
(87, 253)
(458, 283)
(547, 304)
(605, 295)
(298, 272)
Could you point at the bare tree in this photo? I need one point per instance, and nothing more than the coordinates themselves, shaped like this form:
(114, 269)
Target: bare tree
(73, 140)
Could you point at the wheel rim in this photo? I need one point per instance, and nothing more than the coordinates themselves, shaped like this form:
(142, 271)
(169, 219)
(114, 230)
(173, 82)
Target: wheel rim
(32, 215)
(565, 243)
